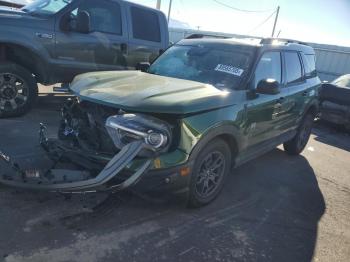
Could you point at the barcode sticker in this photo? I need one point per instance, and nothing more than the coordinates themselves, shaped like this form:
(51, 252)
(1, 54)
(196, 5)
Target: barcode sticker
(229, 69)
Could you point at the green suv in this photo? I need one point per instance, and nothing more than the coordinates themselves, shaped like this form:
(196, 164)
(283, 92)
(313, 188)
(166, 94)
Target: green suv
(201, 109)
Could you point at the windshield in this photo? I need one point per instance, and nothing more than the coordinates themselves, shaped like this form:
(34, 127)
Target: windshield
(46, 7)
(212, 65)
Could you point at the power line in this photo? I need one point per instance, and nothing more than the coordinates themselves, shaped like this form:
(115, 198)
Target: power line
(241, 10)
(169, 12)
(275, 23)
(263, 22)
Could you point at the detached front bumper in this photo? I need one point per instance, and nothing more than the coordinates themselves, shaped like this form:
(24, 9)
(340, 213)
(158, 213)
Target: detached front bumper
(70, 181)
(95, 173)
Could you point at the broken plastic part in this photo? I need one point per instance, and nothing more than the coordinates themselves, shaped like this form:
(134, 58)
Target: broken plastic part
(79, 183)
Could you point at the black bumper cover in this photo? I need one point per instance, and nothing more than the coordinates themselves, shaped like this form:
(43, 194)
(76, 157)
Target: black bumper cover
(112, 178)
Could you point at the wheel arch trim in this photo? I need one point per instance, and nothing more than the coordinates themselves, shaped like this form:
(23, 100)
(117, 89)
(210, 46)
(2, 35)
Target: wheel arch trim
(224, 131)
(39, 69)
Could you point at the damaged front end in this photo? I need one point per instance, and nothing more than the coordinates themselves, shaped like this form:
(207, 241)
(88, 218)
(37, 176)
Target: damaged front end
(98, 144)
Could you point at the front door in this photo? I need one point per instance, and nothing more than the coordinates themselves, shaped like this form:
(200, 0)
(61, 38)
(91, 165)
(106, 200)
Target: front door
(265, 113)
(103, 48)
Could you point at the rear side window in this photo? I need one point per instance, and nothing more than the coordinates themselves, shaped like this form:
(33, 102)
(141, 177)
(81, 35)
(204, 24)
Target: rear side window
(105, 16)
(293, 67)
(310, 65)
(269, 66)
(145, 24)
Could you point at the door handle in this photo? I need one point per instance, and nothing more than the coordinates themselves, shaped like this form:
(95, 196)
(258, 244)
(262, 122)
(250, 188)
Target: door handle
(305, 93)
(280, 100)
(122, 47)
(278, 106)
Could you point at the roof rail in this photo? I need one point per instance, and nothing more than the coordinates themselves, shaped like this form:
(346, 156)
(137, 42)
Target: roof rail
(196, 36)
(270, 40)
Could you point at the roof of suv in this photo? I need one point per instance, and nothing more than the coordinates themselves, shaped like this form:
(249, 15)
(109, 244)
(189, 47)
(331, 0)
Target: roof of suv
(261, 43)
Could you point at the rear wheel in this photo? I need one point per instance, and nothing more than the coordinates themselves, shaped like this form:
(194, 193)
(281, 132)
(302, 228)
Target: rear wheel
(18, 90)
(296, 145)
(210, 170)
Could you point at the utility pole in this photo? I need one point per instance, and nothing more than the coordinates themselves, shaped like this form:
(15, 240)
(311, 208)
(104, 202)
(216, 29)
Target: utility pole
(276, 18)
(171, 1)
(158, 4)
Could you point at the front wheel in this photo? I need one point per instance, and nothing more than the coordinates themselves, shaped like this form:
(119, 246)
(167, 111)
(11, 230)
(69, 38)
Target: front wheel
(18, 90)
(211, 167)
(296, 145)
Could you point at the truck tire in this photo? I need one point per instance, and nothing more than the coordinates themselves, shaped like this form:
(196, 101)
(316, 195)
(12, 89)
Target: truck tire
(296, 145)
(18, 90)
(210, 170)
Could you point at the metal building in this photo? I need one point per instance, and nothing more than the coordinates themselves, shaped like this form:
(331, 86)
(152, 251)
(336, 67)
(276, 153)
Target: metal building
(331, 61)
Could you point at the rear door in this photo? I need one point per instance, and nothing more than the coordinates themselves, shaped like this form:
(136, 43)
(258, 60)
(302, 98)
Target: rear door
(298, 88)
(101, 49)
(148, 34)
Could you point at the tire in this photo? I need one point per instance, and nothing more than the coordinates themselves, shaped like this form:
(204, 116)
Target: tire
(296, 145)
(208, 175)
(18, 90)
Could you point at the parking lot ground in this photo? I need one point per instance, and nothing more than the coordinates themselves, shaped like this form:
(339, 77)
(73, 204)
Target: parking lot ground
(274, 208)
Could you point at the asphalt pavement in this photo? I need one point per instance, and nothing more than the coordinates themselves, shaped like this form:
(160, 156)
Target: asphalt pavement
(274, 208)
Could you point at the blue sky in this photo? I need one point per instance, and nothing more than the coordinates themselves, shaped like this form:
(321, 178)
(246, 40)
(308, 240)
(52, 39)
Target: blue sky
(320, 21)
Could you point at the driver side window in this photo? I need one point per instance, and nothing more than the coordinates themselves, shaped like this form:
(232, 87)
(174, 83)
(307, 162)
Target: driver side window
(105, 16)
(269, 66)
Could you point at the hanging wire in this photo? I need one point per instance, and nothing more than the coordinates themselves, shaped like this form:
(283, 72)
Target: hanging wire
(262, 23)
(241, 10)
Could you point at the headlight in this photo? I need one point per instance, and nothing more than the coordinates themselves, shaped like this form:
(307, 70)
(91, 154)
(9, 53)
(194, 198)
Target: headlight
(126, 128)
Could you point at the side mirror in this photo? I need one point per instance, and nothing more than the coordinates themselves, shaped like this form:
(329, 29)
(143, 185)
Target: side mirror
(268, 87)
(83, 22)
(143, 66)
(65, 22)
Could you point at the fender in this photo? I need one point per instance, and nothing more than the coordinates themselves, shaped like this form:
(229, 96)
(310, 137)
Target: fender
(9, 37)
(226, 129)
(41, 70)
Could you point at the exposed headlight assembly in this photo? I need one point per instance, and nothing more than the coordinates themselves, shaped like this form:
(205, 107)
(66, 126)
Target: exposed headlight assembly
(127, 128)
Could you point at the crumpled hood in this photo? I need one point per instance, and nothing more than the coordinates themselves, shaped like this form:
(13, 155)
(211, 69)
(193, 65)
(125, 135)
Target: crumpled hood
(143, 92)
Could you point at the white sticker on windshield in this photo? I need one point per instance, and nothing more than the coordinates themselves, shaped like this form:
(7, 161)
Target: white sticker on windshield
(229, 69)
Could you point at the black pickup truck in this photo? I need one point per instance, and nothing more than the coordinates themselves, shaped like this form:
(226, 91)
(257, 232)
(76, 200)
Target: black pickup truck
(51, 41)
